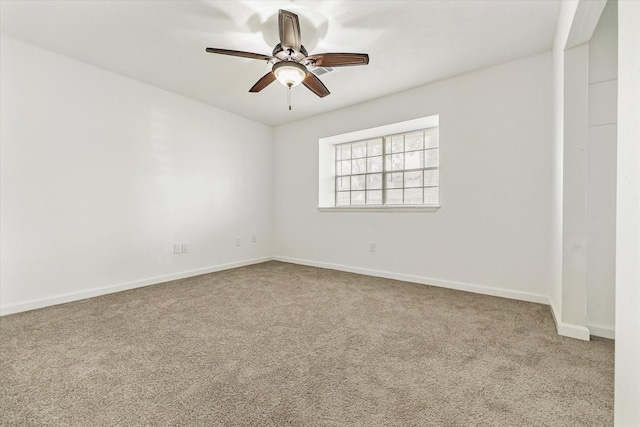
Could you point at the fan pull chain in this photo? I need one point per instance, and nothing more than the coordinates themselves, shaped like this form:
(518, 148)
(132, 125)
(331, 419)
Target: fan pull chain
(289, 97)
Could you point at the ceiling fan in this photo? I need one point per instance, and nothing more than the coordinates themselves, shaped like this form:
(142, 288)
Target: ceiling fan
(290, 59)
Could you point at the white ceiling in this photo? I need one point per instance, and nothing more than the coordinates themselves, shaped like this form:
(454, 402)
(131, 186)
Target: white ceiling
(162, 43)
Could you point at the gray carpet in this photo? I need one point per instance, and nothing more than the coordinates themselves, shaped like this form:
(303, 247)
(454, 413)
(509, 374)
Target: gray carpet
(277, 344)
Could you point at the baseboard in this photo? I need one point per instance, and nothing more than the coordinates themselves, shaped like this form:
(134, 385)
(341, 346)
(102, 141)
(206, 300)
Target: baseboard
(468, 287)
(603, 331)
(75, 296)
(567, 329)
(564, 329)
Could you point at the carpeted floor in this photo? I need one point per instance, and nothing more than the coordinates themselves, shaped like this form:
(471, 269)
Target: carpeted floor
(278, 344)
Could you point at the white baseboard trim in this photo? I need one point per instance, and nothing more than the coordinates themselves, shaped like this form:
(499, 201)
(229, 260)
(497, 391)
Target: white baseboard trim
(602, 331)
(567, 329)
(467, 287)
(76, 296)
(564, 329)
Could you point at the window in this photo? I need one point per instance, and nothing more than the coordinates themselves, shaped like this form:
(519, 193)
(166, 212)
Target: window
(394, 170)
(390, 168)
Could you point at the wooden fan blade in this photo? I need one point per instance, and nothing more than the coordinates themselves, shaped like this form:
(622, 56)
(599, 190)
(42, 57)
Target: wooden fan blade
(265, 81)
(240, 53)
(313, 83)
(289, 27)
(339, 59)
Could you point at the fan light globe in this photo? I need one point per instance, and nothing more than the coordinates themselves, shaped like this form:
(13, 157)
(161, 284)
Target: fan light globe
(289, 73)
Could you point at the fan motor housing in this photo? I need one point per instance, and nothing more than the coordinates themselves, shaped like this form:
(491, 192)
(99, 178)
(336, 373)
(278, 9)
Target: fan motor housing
(287, 54)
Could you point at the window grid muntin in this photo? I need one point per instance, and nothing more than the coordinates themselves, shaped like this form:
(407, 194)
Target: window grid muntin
(391, 141)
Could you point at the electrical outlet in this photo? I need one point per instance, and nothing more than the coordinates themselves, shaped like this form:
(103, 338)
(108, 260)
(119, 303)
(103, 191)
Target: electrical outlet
(185, 248)
(254, 238)
(372, 246)
(177, 248)
(238, 241)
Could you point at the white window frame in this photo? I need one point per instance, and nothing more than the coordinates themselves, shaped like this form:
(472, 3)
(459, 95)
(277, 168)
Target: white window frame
(327, 169)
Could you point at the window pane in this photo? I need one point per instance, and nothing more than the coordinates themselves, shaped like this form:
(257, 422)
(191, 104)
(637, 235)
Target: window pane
(431, 158)
(357, 197)
(413, 141)
(394, 180)
(413, 179)
(394, 197)
(397, 144)
(374, 164)
(343, 183)
(344, 167)
(413, 160)
(374, 197)
(358, 150)
(397, 162)
(357, 182)
(387, 145)
(374, 148)
(374, 181)
(413, 196)
(431, 138)
(431, 178)
(387, 163)
(346, 151)
(338, 153)
(358, 166)
(343, 198)
(431, 196)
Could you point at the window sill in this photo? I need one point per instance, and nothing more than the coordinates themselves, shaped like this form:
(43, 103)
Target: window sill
(380, 209)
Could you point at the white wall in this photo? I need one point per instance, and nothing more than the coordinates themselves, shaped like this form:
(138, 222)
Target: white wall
(601, 174)
(579, 182)
(627, 410)
(494, 229)
(588, 138)
(100, 175)
(565, 19)
(574, 203)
